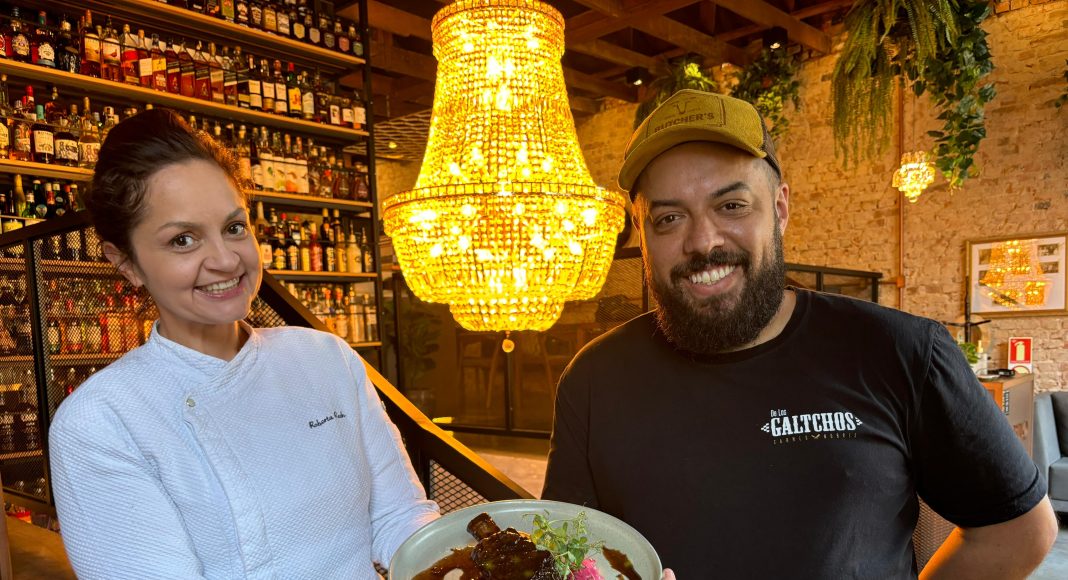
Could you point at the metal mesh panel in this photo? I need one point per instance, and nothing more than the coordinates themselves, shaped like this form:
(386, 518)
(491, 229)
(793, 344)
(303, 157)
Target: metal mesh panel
(449, 491)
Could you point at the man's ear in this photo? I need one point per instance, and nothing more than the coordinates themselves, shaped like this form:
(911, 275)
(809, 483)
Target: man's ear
(122, 263)
(782, 206)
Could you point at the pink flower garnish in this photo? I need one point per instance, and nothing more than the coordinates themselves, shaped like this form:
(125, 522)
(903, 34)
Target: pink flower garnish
(588, 571)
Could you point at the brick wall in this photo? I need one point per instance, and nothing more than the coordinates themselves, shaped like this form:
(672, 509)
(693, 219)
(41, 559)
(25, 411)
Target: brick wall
(849, 217)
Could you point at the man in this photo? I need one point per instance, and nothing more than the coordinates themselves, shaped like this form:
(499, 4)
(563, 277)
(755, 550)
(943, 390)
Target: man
(752, 431)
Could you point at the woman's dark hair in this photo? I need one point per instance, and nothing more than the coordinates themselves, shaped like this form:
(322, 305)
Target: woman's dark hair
(132, 153)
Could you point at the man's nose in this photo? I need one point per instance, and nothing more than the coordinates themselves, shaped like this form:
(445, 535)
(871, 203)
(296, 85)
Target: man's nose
(703, 236)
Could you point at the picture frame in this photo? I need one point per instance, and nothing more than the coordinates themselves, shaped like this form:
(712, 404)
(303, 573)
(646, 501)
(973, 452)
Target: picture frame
(1048, 254)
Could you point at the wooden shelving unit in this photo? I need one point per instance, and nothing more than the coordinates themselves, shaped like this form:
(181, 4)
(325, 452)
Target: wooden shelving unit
(162, 17)
(299, 276)
(310, 201)
(133, 93)
(77, 174)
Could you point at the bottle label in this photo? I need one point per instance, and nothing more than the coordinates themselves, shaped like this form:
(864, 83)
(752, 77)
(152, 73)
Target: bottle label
(145, 67)
(257, 15)
(307, 103)
(314, 35)
(22, 138)
(343, 43)
(242, 12)
(280, 103)
(346, 116)
(257, 175)
(91, 48)
(295, 100)
(335, 115)
(3, 44)
(89, 152)
(110, 53)
(299, 30)
(5, 139)
(67, 149)
(270, 20)
(21, 45)
(268, 89)
(282, 21)
(359, 115)
(46, 54)
(44, 142)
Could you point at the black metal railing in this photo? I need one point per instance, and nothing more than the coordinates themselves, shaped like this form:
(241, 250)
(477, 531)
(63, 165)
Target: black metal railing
(68, 313)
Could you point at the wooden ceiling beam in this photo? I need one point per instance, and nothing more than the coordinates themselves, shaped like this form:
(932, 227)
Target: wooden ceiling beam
(808, 12)
(614, 8)
(692, 40)
(618, 55)
(707, 16)
(593, 24)
(390, 19)
(583, 105)
(761, 12)
(599, 87)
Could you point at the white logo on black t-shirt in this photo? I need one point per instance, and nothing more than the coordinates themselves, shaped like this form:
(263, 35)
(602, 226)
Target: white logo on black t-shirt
(786, 428)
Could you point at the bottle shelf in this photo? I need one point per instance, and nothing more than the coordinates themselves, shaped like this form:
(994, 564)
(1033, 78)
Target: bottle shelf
(178, 21)
(77, 174)
(127, 93)
(60, 266)
(297, 276)
(310, 201)
(18, 358)
(90, 358)
(372, 344)
(19, 455)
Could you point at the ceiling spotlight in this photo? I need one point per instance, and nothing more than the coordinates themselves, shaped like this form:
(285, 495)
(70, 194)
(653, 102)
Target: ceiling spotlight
(637, 76)
(392, 144)
(775, 38)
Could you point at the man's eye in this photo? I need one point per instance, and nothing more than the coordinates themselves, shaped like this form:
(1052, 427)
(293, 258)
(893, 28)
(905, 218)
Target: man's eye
(182, 241)
(665, 220)
(733, 206)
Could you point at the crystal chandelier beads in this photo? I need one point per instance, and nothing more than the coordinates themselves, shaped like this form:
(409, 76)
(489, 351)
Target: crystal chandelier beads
(505, 223)
(914, 175)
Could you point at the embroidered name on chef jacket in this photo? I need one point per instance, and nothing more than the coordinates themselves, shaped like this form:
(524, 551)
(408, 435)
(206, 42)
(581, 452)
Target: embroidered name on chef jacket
(320, 422)
(786, 428)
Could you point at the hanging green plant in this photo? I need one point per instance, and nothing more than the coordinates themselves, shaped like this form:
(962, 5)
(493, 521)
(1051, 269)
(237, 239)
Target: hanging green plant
(940, 46)
(769, 82)
(685, 73)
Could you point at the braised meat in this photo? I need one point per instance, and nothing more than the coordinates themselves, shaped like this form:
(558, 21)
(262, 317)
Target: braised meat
(508, 554)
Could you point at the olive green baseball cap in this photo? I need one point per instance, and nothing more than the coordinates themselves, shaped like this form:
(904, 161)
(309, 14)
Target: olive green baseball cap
(691, 115)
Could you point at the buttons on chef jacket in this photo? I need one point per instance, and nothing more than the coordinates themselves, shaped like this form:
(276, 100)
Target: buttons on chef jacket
(190, 403)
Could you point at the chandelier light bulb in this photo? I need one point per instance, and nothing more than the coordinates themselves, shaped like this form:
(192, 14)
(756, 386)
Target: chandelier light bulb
(914, 175)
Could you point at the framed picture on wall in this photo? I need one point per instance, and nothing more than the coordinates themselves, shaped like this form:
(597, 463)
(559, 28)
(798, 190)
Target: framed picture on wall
(1018, 275)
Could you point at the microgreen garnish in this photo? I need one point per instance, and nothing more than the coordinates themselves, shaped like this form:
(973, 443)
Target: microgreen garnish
(566, 540)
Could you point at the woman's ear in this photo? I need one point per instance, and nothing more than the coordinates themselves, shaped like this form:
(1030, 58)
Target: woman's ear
(122, 263)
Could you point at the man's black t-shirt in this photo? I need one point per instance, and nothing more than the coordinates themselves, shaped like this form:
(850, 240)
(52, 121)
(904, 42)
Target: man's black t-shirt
(799, 458)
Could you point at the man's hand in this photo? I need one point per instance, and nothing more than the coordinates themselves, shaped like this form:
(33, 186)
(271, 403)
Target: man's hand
(1004, 551)
(668, 574)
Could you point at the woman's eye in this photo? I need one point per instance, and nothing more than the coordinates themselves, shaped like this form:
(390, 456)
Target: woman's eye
(182, 241)
(237, 229)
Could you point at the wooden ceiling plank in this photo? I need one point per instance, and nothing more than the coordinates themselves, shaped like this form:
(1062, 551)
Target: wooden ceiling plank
(613, 8)
(761, 12)
(583, 104)
(707, 16)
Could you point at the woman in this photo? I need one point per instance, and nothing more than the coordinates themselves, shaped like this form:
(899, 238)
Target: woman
(217, 450)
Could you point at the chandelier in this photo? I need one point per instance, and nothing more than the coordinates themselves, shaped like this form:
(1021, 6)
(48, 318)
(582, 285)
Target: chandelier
(1014, 278)
(505, 223)
(914, 175)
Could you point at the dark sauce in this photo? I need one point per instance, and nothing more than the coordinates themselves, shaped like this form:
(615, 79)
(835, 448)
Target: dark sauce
(458, 559)
(620, 563)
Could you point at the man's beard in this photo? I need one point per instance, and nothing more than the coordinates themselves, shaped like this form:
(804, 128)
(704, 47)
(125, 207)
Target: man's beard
(710, 326)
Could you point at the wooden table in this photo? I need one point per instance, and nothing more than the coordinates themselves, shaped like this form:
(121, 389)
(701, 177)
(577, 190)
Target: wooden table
(1016, 398)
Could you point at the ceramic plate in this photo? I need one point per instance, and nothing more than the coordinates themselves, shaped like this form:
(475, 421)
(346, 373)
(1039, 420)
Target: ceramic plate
(437, 539)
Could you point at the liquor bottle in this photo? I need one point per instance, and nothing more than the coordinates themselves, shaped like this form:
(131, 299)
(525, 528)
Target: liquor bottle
(216, 74)
(241, 12)
(44, 142)
(110, 57)
(315, 36)
(185, 60)
(197, 6)
(267, 86)
(322, 99)
(67, 51)
(75, 199)
(243, 76)
(281, 103)
(255, 14)
(40, 208)
(230, 76)
(88, 140)
(357, 319)
(281, 164)
(65, 142)
(293, 93)
(202, 73)
(44, 52)
(326, 28)
(329, 257)
(51, 208)
(254, 86)
(20, 40)
(29, 206)
(305, 249)
(263, 236)
(335, 110)
(5, 119)
(354, 259)
(340, 244)
(145, 46)
(315, 250)
(347, 115)
(213, 8)
(326, 173)
(255, 167)
(22, 132)
(301, 167)
(292, 246)
(61, 204)
(282, 21)
(265, 173)
(244, 154)
(367, 254)
(359, 113)
(341, 320)
(270, 17)
(371, 316)
(355, 41)
(129, 57)
(307, 97)
(53, 108)
(19, 201)
(159, 64)
(110, 120)
(344, 43)
(90, 58)
(313, 169)
(296, 18)
(361, 189)
(228, 10)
